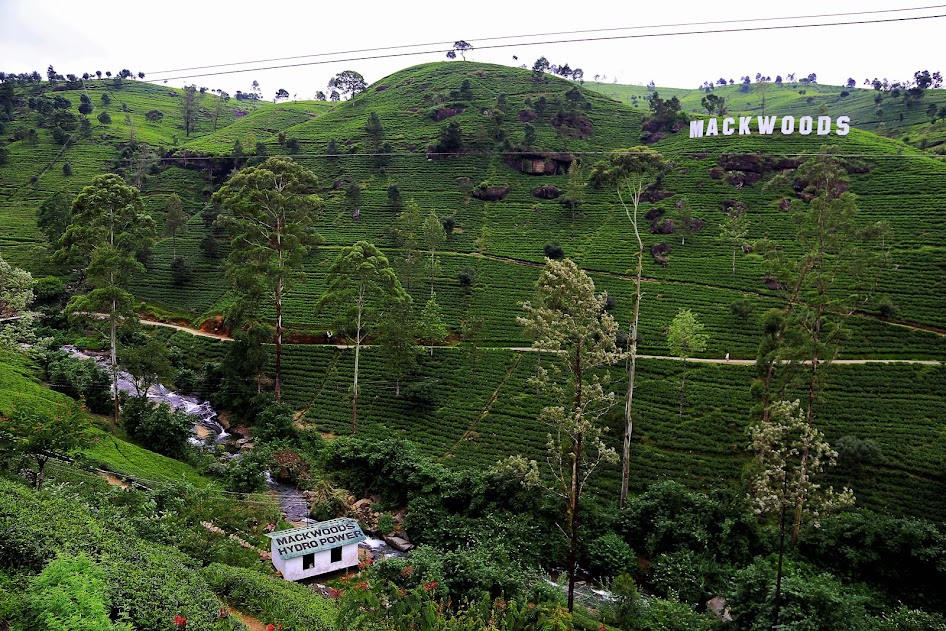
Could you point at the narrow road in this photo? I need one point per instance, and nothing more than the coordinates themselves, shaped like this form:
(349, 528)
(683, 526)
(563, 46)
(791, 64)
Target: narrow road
(529, 349)
(186, 329)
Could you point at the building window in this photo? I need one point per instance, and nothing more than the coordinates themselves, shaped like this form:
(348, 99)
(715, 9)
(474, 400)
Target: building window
(336, 555)
(308, 561)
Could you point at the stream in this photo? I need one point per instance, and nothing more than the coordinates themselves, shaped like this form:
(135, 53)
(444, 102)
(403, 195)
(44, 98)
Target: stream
(208, 432)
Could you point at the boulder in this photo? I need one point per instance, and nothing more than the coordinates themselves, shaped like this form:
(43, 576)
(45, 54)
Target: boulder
(398, 543)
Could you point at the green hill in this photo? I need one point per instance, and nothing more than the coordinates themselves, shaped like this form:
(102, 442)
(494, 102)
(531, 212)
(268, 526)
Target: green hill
(888, 113)
(478, 405)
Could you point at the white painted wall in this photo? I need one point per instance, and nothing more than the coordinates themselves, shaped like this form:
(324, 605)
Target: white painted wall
(292, 569)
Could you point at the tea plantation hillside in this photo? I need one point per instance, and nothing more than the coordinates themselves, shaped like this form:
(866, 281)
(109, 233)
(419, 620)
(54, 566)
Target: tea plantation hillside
(919, 122)
(133, 120)
(488, 149)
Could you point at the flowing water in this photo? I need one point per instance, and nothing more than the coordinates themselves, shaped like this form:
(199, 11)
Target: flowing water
(207, 430)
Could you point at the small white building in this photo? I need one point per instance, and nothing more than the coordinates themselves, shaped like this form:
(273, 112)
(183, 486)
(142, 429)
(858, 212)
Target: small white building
(316, 549)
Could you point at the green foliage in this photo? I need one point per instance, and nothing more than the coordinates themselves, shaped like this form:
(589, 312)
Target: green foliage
(148, 582)
(270, 216)
(810, 600)
(69, 595)
(247, 474)
(274, 600)
(147, 362)
(626, 609)
(348, 82)
(685, 337)
(668, 517)
(609, 556)
(398, 594)
(275, 422)
(157, 426)
(181, 271)
(902, 556)
(386, 523)
(40, 434)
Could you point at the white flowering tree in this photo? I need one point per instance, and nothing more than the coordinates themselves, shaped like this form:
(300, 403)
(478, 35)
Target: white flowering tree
(569, 319)
(790, 454)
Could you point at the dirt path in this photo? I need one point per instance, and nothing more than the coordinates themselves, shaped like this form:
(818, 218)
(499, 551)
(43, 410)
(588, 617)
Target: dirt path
(252, 623)
(527, 349)
(186, 329)
(113, 479)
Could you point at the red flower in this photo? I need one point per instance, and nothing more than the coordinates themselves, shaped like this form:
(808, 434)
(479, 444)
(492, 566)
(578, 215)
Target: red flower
(180, 621)
(408, 570)
(270, 627)
(431, 586)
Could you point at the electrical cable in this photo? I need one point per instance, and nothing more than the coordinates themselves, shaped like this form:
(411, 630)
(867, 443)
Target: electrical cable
(562, 41)
(553, 33)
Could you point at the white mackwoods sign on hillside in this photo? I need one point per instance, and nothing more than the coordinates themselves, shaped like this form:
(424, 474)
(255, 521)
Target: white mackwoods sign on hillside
(769, 125)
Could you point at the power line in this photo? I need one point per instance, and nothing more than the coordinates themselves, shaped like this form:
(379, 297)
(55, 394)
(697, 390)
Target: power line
(549, 34)
(560, 41)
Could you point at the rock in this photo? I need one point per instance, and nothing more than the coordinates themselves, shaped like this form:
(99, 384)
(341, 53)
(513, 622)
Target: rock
(490, 193)
(717, 605)
(362, 503)
(402, 545)
(546, 192)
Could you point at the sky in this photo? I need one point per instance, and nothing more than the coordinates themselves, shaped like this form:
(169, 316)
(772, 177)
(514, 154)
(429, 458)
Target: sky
(160, 38)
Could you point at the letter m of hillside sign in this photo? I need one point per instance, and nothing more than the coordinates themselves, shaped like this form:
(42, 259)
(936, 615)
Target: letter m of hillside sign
(315, 549)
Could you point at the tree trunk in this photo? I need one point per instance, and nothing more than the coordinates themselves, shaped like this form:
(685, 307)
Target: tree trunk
(576, 496)
(277, 384)
(631, 365)
(575, 490)
(279, 282)
(781, 554)
(803, 477)
(113, 342)
(354, 388)
(41, 467)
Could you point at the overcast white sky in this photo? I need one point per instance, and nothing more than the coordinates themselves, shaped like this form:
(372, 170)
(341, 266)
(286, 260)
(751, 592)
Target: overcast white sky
(89, 35)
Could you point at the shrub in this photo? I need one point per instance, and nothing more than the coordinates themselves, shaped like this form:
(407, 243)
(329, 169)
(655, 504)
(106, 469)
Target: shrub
(685, 574)
(609, 555)
(854, 453)
(274, 423)
(154, 115)
(295, 607)
(105, 118)
(554, 251)
(157, 426)
(741, 309)
(467, 278)
(80, 378)
(69, 595)
(886, 308)
(181, 271)
(210, 246)
(247, 473)
(66, 169)
(48, 290)
(386, 523)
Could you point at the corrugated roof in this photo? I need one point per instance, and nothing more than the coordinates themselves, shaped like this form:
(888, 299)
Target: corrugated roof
(318, 537)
